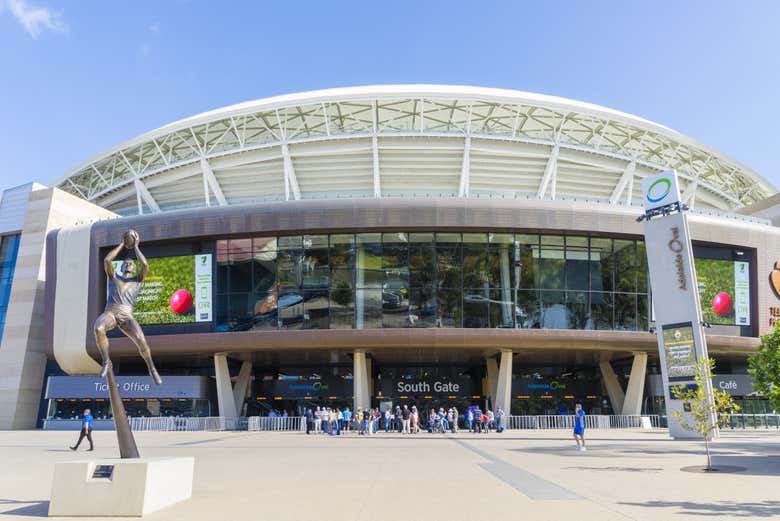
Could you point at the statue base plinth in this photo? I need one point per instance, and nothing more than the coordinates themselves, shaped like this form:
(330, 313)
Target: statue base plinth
(119, 487)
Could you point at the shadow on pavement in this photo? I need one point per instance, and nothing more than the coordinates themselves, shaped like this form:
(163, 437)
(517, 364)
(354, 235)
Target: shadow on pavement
(727, 509)
(30, 508)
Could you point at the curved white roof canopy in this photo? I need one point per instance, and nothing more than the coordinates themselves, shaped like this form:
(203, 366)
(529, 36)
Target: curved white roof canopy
(406, 141)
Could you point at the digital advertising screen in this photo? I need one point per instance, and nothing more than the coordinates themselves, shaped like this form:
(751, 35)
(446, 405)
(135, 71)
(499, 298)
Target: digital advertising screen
(680, 351)
(724, 291)
(177, 290)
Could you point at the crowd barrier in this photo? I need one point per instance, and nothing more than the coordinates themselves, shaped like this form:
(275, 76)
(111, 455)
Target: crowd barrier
(592, 421)
(298, 423)
(276, 423)
(753, 421)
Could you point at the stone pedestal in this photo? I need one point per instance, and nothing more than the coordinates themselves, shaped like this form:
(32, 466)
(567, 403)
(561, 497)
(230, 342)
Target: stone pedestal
(119, 487)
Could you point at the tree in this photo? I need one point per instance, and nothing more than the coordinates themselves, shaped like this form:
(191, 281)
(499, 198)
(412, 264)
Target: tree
(764, 368)
(706, 415)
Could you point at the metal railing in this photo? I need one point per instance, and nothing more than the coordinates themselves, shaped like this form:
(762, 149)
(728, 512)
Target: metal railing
(592, 421)
(276, 423)
(207, 423)
(753, 421)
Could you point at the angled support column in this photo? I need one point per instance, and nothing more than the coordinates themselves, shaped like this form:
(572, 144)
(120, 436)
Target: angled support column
(615, 392)
(360, 376)
(225, 399)
(636, 385)
(504, 384)
(242, 386)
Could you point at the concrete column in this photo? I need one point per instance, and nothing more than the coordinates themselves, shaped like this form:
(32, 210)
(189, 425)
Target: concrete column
(242, 386)
(492, 379)
(504, 386)
(636, 385)
(615, 392)
(360, 382)
(226, 402)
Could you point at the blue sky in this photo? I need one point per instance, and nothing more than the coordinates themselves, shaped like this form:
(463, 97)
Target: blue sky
(79, 77)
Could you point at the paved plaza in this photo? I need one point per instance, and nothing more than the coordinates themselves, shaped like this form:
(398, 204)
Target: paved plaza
(529, 475)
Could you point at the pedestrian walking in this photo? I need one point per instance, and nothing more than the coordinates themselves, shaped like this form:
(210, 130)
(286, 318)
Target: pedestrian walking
(86, 430)
(406, 415)
(579, 427)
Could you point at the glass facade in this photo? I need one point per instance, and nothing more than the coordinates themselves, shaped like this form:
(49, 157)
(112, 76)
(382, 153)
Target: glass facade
(422, 280)
(9, 247)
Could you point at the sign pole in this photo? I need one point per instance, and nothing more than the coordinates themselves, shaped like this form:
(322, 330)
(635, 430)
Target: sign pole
(124, 435)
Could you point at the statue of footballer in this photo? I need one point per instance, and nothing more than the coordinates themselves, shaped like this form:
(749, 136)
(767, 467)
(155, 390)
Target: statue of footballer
(122, 292)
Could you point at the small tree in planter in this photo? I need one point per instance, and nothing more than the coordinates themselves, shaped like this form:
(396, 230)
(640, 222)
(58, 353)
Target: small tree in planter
(702, 410)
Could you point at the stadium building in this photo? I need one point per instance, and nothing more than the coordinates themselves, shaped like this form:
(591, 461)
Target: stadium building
(435, 245)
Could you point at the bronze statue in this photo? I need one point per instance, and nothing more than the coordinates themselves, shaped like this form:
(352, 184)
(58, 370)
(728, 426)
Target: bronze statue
(122, 292)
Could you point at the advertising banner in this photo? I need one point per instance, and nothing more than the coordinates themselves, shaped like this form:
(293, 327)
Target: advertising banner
(724, 291)
(679, 351)
(177, 290)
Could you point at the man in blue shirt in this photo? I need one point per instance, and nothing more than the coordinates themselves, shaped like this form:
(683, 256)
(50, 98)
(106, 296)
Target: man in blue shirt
(86, 430)
(579, 427)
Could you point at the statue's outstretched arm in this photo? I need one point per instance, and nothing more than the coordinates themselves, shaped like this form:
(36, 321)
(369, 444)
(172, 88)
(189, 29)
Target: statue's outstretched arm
(144, 265)
(108, 261)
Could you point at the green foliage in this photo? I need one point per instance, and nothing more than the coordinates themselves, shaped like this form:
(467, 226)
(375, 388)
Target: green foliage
(764, 367)
(342, 295)
(705, 415)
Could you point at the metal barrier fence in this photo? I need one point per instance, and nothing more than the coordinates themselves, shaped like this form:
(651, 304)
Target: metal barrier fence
(209, 423)
(753, 421)
(276, 423)
(592, 421)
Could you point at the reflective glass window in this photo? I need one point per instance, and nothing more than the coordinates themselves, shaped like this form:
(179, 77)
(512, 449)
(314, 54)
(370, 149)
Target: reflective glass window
(315, 265)
(422, 307)
(476, 312)
(450, 308)
(554, 314)
(625, 311)
(528, 314)
(369, 260)
(475, 260)
(578, 310)
(601, 264)
(368, 308)
(316, 306)
(264, 310)
(342, 308)
(577, 263)
(501, 308)
(625, 266)
(527, 260)
(601, 309)
(551, 262)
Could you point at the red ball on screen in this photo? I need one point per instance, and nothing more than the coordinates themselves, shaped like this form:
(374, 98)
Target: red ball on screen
(722, 304)
(181, 301)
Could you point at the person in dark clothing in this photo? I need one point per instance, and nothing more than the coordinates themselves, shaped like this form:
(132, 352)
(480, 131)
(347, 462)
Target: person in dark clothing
(86, 430)
(309, 420)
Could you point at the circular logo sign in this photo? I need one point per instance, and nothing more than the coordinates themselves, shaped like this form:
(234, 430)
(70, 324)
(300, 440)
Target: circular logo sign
(659, 189)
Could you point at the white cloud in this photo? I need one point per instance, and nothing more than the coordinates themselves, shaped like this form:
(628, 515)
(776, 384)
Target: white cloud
(35, 19)
(155, 28)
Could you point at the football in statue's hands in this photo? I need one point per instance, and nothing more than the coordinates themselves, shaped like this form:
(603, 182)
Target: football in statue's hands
(130, 239)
